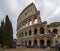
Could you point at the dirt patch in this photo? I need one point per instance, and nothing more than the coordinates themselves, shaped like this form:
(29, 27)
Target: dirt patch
(26, 49)
(1, 49)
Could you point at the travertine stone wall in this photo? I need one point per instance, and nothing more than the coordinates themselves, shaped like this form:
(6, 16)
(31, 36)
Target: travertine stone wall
(29, 21)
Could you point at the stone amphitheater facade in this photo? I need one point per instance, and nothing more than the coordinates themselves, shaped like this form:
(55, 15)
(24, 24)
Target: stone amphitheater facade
(31, 31)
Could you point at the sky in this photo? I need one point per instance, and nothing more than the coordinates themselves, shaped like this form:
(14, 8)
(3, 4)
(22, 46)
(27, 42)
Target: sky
(49, 10)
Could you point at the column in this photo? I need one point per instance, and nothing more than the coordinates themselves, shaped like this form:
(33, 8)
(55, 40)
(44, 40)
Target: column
(38, 42)
(58, 31)
(24, 43)
(23, 33)
(27, 32)
(32, 42)
(38, 18)
(46, 29)
(27, 42)
(28, 22)
(32, 21)
(24, 24)
(38, 31)
(45, 41)
(32, 31)
(53, 42)
(21, 42)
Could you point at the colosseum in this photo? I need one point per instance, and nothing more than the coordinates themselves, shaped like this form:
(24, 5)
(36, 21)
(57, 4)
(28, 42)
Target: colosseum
(32, 32)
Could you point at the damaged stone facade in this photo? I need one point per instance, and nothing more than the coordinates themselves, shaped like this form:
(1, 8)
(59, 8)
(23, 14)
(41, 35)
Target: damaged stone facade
(31, 31)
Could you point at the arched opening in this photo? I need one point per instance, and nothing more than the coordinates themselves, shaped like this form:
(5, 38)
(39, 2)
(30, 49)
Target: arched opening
(30, 23)
(49, 42)
(35, 42)
(35, 31)
(41, 30)
(55, 31)
(29, 42)
(41, 43)
(30, 32)
(19, 35)
(26, 24)
(23, 26)
(25, 33)
(22, 34)
(49, 31)
(25, 43)
(22, 43)
(35, 21)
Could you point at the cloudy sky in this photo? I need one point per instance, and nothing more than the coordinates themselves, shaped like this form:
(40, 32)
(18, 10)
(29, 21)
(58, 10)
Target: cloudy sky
(49, 10)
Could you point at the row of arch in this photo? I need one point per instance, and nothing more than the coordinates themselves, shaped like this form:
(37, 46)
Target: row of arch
(27, 23)
(30, 32)
(30, 22)
(54, 31)
(41, 42)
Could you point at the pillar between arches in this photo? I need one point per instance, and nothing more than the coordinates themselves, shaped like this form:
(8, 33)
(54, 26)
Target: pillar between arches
(45, 41)
(32, 42)
(38, 42)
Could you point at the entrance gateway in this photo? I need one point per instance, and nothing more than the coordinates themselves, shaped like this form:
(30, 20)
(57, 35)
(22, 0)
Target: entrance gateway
(49, 42)
(41, 42)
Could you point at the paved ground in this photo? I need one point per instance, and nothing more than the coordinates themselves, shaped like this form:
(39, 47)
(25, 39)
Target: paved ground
(1, 49)
(27, 49)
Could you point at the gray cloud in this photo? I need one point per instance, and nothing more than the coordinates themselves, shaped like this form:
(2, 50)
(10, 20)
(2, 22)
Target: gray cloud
(49, 10)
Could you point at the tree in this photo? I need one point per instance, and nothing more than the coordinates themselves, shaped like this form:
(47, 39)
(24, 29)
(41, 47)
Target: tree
(8, 30)
(1, 32)
(0, 35)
